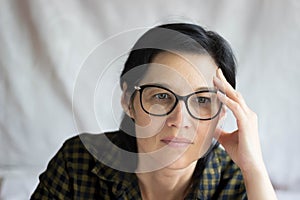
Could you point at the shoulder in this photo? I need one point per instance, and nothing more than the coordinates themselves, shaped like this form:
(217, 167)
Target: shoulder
(70, 170)
(221, 154)
(86, 145)
(229, 176)
(222, 158)
(78, 140)
(226, 167)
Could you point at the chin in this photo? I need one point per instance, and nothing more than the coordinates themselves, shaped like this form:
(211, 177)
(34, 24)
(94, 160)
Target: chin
(182, 163)
(187, 159)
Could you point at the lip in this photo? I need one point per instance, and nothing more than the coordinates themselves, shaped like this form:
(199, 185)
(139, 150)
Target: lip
(176, 142)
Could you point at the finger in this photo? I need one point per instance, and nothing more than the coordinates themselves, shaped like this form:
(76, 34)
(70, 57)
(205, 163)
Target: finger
(230, 143)
(234, 106)
(234, 94)
(219, 84)
(229, 90)
(228, 139)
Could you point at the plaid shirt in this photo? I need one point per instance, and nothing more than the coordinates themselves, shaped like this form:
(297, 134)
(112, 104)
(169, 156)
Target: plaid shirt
(74, 173)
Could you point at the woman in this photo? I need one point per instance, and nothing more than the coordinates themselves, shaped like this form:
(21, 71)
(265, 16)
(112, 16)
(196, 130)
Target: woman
(177, 83)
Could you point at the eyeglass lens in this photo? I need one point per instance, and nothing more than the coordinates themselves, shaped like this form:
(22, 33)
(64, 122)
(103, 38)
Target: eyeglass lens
(160, 101)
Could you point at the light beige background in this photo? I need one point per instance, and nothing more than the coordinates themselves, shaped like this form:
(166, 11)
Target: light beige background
(45, 44)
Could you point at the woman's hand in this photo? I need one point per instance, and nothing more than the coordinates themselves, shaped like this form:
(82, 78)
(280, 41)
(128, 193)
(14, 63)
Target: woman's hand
(243, 144)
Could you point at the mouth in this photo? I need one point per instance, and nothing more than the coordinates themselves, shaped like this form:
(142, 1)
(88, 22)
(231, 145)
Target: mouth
(177, 142)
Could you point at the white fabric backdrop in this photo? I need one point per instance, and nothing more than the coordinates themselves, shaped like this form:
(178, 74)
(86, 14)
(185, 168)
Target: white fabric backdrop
(46, 44)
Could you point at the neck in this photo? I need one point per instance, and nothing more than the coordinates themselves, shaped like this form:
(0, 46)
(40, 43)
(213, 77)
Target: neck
(166, 183)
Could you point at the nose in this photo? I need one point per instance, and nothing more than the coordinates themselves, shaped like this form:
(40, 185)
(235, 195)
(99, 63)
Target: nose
(179, 117)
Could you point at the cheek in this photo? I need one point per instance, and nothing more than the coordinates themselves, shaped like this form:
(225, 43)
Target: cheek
(202, 132)
(205, 132)
(146, 125)
(149, 127)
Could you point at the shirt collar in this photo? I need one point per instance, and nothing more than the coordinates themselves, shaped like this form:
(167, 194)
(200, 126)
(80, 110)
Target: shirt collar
(204, 186)
(107, 159)
(124, 182)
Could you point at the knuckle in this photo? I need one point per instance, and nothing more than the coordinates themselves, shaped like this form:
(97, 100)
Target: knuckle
(236, 106)
(254, 115)
(238, 95)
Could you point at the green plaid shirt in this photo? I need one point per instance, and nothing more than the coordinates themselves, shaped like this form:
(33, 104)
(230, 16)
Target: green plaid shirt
(74, 173)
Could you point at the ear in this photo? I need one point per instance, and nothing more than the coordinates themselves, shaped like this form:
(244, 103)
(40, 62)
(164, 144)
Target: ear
(125, 101)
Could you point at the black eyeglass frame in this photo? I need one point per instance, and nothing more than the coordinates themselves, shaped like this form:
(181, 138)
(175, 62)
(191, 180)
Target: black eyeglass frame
(178, 98)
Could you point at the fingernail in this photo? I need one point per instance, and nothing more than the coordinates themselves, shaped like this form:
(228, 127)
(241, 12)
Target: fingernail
(217, 80)
(220, 72)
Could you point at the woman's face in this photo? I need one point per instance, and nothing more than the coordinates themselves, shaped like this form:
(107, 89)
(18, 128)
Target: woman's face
(177, 139)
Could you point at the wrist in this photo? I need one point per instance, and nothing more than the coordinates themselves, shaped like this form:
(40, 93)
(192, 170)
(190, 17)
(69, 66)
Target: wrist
(250, 166)
(258, 183)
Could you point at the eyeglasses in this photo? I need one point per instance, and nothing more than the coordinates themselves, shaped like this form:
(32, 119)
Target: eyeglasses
(160, 101)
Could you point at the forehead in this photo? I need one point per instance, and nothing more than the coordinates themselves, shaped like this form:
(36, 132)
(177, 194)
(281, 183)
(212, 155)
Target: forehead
(182, 72)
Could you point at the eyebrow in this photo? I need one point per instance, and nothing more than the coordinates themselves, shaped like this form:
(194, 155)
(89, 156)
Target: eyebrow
(206, 88)
(165, 85)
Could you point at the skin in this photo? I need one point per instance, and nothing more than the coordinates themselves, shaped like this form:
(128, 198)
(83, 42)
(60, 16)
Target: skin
(183, 75)
(173, 74)
(243, 144)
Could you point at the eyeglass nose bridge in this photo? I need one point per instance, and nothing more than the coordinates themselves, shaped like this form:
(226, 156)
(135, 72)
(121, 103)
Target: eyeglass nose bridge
(181, 98)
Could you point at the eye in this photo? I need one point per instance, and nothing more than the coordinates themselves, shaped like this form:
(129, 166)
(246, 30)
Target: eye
(161, 96)
(202, 100)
